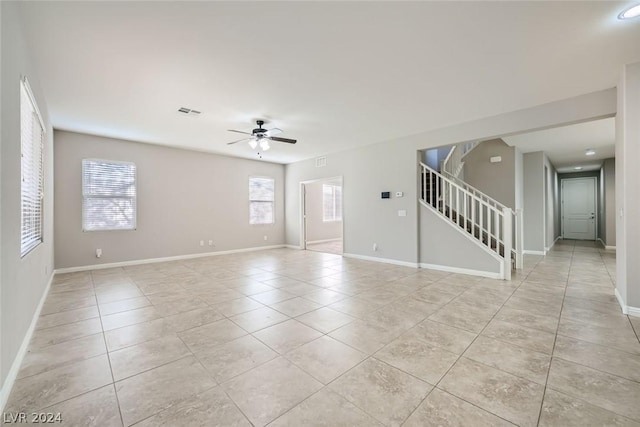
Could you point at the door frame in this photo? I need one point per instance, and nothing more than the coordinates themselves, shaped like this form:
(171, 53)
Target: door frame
(595, 198)
(302, 214)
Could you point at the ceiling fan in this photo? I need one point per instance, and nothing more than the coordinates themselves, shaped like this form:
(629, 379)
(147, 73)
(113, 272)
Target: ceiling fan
(261, 136)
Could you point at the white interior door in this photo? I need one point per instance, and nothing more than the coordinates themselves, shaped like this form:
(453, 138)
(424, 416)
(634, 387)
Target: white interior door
(579, 208)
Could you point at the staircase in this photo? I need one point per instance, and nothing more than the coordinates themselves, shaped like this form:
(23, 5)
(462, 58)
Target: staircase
(489, 223)
(454, 163)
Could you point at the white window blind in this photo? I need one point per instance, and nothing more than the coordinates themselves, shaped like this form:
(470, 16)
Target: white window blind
(331, 202)
(108, 195)
(261, 200)
(31, 170)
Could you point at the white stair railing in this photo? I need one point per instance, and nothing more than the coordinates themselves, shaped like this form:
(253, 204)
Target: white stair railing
(486, 198)
(468, 146)
(490, 224)
(453, 162)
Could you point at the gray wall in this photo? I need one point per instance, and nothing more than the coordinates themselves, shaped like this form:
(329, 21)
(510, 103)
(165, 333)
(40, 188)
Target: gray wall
(494, 179)
(435, 156)
(367, 218)
(183, 197)
(540, 205)
(602, 218)
(534, 213)
(627, 179)
(551, 205)
(609, 175)
(317, 228)
(22, 280)
(391, 166)
(441, 244)
(519, 172)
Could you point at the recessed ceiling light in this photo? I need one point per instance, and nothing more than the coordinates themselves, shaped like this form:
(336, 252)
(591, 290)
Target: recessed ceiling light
(590, 152)
(578, 168)
(631, 12)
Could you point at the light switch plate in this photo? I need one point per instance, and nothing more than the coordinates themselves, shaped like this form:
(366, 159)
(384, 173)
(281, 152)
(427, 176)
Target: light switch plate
(402, 212)
(399, 194)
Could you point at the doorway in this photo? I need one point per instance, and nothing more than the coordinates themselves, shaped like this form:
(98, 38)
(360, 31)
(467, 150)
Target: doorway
(579, 208)
(321, 219)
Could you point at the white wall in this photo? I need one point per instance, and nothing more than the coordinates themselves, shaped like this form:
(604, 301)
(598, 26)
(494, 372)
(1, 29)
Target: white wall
(22, 280)
(627, 178)
(392, 166)
(183, 197)
(317, 228)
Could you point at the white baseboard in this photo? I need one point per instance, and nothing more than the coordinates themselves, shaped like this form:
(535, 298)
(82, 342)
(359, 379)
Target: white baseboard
(311, 242)
(623, 306)
(22, 351)
(458, 270)
(631, 311)
(605, 246)
(383, 260)
(546, 250)
(292, 247)
(528, 252)
(429, 266)
(163, 259)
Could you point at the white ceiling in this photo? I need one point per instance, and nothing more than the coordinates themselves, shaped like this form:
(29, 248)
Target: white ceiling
(566, 146)
(334, 75)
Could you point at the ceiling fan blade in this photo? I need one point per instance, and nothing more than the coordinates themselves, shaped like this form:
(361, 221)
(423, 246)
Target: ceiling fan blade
(287, 140)
(240, 140)
(274, 131)
(239, 131)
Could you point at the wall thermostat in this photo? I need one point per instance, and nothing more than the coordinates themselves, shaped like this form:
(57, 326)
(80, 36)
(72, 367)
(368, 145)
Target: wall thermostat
(386, 194)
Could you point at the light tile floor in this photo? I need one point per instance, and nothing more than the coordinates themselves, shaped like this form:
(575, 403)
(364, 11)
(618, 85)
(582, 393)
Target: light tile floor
(294, 338)
(334, 247)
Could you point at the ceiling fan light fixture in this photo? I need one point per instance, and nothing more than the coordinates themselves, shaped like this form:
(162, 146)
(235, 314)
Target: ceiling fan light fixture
(264, 144)
(253, 144)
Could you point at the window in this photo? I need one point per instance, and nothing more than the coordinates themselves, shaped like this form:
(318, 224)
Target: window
(331, 202)
(261, 196)
(31, 170)
(108, 195)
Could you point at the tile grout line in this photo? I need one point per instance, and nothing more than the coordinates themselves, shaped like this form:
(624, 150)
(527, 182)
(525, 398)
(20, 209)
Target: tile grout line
(468, 346)
(555, 339)
(113, 381)
(368, 357)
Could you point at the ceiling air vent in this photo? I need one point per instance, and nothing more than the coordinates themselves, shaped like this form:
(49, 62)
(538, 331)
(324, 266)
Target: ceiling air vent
(321, 162)
(189, 112)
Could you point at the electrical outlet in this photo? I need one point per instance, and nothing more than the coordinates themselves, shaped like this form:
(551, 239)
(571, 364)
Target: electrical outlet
(375, 247)
(266, 238)
(201, 242)
(98, 253)
(210, 242)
